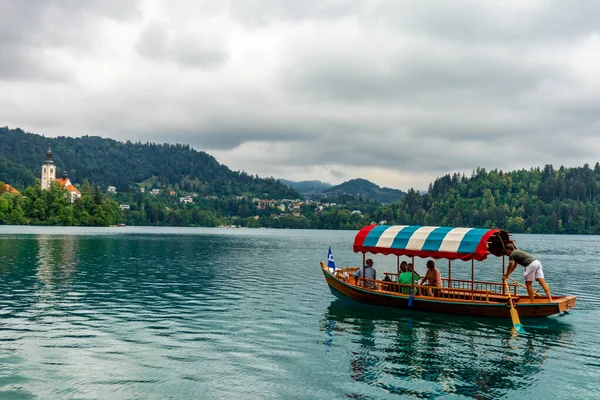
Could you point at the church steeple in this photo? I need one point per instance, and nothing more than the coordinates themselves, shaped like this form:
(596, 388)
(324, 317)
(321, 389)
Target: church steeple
(48, 170)
(49, 155)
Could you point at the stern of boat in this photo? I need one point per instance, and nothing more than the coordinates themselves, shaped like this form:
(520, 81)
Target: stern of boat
(566, 303)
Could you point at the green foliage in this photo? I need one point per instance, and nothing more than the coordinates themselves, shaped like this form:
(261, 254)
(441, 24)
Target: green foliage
(14, 173)
(53, 207)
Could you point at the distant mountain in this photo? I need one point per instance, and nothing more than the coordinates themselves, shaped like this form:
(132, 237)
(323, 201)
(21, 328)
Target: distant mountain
(128, 165)
(364, 188)
(307, 187)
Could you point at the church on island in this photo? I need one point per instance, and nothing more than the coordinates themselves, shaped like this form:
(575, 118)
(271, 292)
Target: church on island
(49, 175)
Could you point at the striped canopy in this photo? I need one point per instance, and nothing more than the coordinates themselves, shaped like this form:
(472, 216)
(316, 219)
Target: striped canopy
(430, 241)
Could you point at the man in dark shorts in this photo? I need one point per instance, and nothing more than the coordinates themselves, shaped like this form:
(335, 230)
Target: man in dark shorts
(533, 269)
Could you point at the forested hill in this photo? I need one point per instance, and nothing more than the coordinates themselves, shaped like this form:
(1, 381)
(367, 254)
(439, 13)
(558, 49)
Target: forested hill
(307, 187)
(545, 200)
(366, 189)
(124, 165)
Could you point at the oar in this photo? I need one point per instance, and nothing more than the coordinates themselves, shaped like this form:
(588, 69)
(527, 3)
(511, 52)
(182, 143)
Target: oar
(411, 296)
(514, 315)
(523, 286)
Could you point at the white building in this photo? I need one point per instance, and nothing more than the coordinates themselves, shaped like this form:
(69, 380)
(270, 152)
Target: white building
(124, 207)
(155, 191)
(186, 199)
(48, 170)
(111, 189)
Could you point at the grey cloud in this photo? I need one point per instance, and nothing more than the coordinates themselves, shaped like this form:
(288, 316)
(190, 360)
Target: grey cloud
(430, 76)
(257, 14)
(152, 42)
(17, 64)
(487, 22)
(56, 22)
(189, 52)
(438, 155)
(467, 20)
(219, 139)
(217, 133)
(155, 43)
(28, 29)
(337, 173)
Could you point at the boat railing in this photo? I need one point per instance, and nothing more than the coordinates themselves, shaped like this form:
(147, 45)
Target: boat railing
(492, 287)
(421, 290)
(456, 293)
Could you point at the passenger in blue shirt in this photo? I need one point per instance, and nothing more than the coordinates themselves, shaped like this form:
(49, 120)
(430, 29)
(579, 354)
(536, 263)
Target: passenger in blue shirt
(370, 273)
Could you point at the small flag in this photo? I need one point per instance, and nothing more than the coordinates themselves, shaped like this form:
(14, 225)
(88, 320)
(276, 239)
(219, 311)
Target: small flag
(330, 262)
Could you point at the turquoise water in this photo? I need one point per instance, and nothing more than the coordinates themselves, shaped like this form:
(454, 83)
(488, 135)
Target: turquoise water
(155, 313)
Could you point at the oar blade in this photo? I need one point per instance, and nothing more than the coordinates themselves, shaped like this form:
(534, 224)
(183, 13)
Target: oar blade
(514, 315)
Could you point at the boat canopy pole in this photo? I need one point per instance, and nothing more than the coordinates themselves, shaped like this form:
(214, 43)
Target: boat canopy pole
(398, 265)
(449, 273)
(472, 279)
(412, 278)
(363, 271)
(503, 259)
(503, 288)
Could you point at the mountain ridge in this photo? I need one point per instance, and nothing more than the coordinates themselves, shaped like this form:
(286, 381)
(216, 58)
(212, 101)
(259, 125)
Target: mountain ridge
(364, 188)
(307, 186)
(105, 161)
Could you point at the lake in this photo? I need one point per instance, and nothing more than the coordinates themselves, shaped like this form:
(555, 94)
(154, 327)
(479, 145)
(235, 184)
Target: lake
(154, 313)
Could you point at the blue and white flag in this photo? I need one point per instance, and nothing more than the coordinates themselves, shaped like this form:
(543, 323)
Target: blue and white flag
(330, 262)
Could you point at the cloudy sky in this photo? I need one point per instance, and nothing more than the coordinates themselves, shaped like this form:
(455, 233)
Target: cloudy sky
(397, 92)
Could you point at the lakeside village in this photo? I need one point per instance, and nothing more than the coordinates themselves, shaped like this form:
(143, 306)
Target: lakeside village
(275, 209)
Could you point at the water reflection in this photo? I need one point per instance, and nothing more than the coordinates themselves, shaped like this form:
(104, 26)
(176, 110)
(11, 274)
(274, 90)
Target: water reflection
(424, 355)
(57, 259)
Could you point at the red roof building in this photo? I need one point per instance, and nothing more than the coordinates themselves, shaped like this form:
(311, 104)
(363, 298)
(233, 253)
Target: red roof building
(9, 189)
(66, 184)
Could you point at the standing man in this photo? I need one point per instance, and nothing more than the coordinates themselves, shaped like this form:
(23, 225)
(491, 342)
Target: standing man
(370, 273)
(533, 269)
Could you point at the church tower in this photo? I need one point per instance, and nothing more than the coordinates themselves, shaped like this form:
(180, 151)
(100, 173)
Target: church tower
(48, 170)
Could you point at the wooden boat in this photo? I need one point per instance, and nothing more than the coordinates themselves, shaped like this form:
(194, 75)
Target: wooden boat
(466, 297)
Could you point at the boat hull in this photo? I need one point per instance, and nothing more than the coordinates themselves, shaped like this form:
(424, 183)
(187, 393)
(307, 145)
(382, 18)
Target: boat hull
(343, 289)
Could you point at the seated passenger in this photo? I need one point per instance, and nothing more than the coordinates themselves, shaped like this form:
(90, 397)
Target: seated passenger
(370, 273)
(403, 267)
(387, 286)
(411, 268)
(432, 277)
(406, 278)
